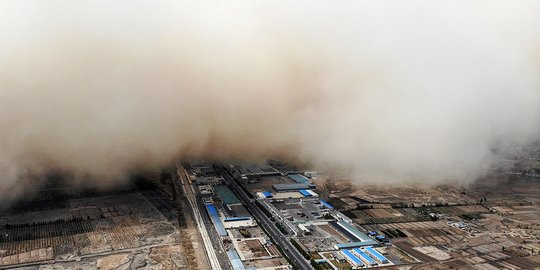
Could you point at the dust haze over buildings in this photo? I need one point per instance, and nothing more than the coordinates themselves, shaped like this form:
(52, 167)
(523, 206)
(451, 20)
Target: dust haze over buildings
(385, 91)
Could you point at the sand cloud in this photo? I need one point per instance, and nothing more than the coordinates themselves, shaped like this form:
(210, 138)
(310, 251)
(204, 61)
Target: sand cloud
(394, 92)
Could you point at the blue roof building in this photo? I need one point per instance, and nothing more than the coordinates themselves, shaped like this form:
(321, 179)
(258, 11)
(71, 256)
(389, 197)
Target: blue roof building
(378, 256)
(352, 258)
(365, 257)
(327, 205)
(236, 262)
(236, 219)
(215, 219)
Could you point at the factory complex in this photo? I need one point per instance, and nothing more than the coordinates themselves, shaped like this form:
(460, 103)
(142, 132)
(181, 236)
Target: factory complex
(291, 201)
(274, 216)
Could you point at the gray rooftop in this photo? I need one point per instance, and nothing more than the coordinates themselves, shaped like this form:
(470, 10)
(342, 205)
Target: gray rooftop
(296, 186)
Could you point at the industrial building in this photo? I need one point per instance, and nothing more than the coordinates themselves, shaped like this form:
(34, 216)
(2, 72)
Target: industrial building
(356, 238)
(327, 205)
(205, 189)
(226, 195)
(264, 194)
(252, 173)
(368, 260)
(212, 211)
(299, 179)
(238, 222)
(292, 187)
(283, 168)
(352, 232)
(378, 256)
(236, 262)
(199, 168)
(308, 193)
(235, 210)
(209, 180)
(338, 257)
(353, 260)
(237, 216)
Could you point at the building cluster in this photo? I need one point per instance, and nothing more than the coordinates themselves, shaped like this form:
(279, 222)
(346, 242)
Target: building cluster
(326, 235)
(237, 232)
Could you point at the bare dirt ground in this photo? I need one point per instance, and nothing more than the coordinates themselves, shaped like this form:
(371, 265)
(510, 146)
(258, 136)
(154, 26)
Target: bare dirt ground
(192, 237)
(112, 262)
(130, 230)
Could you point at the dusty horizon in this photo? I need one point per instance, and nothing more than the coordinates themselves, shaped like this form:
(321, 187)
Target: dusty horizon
(415, 91)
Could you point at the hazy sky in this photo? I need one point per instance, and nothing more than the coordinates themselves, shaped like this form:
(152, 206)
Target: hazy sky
(387, 91)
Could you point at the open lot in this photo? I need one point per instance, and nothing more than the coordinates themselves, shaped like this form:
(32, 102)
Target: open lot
(251, 249)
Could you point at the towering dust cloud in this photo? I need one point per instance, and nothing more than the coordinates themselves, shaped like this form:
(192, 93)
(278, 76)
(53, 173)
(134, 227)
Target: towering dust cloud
(392, 92)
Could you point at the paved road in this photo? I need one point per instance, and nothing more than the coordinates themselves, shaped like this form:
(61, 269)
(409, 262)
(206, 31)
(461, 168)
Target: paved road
(282, 217)
(276, 235)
